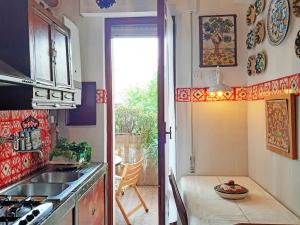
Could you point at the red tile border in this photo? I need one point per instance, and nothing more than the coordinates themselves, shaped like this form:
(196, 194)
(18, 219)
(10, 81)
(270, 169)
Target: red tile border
(290, 84)
(101, 96)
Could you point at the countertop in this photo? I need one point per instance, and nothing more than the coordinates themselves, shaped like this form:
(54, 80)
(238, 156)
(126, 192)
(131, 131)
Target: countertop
(61, 208)
(94, 171)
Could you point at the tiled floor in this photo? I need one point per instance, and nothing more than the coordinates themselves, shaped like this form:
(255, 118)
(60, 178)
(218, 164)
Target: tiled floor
(130, 200)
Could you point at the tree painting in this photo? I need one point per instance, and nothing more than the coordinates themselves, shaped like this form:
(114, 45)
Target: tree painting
(217, 41)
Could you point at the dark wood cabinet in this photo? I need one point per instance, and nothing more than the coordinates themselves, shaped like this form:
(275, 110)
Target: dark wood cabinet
(91, 206)
(61, 55)
(36, 44)
(43, 61)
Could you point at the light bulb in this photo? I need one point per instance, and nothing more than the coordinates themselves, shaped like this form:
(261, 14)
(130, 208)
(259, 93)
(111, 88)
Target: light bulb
(220, 93)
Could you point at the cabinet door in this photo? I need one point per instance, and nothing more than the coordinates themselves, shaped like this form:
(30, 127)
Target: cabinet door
(99, 203)
(62, 57)
(43, 71)
(91, 207)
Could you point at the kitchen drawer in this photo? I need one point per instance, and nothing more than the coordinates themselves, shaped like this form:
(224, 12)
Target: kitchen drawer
(41, 94)
(68, 97)
(55, 95)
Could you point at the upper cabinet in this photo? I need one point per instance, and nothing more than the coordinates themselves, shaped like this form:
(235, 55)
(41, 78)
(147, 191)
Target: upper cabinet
(61, 57)
(36, 44)
(43, 59)
(76, 59)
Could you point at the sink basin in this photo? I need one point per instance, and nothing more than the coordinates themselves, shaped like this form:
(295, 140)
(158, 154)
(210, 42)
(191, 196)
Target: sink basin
(37, 189)
(57, 177)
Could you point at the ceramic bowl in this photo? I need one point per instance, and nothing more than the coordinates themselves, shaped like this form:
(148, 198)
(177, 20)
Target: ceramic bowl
(232, 196)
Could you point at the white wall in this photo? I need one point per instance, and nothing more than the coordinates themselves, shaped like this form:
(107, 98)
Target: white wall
(277, 174)
(225, 122)
(91, 32)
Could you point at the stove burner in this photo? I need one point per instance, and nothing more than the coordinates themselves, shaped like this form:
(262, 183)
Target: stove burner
(18, 209)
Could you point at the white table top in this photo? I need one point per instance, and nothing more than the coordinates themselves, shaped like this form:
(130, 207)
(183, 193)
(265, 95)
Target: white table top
(205, 207)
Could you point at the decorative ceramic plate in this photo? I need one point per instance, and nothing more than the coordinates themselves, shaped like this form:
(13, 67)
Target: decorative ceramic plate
(260, 32)
(296, 7)
(297, 45)
(251, 15)
(278, 20)
(250, 41)
(259, 6)
(260, 62)
(251, 65)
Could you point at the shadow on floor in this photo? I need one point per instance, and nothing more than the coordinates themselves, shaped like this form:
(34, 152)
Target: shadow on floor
(129, 201)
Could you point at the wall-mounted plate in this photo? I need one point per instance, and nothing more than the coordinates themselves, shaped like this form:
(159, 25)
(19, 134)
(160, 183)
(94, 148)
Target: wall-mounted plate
(250, 41)
(251, 65)
(251, 15)
(260, 32)
(259, 6)
(296, 7)
(278, 21)
(261, 62)
(297, 45)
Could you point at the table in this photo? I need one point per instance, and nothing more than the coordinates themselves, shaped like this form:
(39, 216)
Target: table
(205, 207)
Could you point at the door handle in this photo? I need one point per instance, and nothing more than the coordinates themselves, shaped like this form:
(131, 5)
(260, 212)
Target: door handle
(169, 132)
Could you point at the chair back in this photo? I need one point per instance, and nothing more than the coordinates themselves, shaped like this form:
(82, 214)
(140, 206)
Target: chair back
(130, 175)
(178, 200)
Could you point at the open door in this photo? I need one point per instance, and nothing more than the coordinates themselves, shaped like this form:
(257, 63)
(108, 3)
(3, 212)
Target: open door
(166, 113)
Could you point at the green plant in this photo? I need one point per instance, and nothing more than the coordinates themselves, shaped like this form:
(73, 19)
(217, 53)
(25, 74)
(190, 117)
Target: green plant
(72, 151)
(138, 116)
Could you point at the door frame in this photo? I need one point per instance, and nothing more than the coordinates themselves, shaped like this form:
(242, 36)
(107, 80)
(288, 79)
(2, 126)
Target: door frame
(161, 10)
(109, 22)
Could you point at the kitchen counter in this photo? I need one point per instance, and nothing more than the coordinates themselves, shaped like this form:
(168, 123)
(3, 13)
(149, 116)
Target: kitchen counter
(65, 204)
(61, 208)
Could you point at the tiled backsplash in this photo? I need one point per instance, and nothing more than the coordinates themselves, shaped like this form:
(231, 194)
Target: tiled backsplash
(14, 166)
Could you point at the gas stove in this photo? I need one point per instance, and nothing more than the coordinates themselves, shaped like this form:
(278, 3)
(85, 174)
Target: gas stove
(17, 210)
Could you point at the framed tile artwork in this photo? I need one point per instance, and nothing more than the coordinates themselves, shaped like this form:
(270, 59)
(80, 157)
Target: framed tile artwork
(218, 40)
(281, 125)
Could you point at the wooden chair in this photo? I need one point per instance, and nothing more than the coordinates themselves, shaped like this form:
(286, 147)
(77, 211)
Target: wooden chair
(178, 200)
(129, 178)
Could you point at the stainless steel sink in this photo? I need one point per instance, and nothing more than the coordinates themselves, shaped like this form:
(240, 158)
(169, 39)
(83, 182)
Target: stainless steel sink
(37, 189)
(57, 177)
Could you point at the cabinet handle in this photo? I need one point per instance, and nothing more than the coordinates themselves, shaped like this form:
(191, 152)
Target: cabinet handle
(93, 211)
(37, 93)
(55, 96)
(66, 96)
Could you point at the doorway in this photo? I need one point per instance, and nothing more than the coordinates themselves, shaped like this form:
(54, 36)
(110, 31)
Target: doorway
(131, 82)
(134, 70)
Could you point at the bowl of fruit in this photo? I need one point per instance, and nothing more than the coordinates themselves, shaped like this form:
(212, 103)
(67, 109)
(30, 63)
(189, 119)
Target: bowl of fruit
(231, 190)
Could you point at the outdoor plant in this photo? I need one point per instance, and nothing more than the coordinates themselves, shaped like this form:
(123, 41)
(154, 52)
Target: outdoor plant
(138, 116)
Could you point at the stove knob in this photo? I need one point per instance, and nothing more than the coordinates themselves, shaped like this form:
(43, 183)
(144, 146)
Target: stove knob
(29, 218)
(36, 212)
(23, 222)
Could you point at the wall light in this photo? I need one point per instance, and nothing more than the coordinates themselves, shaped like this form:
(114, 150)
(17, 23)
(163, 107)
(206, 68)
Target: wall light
(219, 87)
